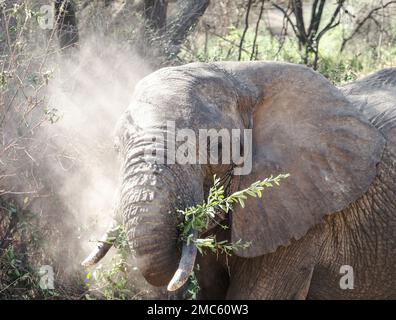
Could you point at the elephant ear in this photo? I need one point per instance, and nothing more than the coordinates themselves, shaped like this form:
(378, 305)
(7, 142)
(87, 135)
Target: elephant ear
(304, 126)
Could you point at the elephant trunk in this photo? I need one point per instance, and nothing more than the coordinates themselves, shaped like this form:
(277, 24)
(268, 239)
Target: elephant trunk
(151, 228)
(150, 196)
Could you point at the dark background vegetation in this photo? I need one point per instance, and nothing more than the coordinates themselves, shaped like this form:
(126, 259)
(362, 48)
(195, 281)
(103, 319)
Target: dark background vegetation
(119, 41)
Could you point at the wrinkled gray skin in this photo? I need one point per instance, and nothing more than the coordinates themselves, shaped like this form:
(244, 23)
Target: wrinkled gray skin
(337, 208)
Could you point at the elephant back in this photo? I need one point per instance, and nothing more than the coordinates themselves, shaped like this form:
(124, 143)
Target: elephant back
(375, 97)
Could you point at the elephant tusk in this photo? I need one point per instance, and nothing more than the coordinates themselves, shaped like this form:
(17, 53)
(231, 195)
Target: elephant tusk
(103, 247)
(186, 264)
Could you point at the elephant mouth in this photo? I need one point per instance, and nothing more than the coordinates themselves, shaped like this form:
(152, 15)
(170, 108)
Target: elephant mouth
(186, 264)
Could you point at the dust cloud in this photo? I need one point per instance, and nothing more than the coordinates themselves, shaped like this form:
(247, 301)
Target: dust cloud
(87, 94)
(58, 159)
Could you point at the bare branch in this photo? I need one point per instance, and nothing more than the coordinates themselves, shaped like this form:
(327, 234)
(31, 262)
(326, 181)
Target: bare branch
(332, 24)
(287, 17)
(316, 18)
(362, 22)
(298, 13)
(256, 29)
(245, 29)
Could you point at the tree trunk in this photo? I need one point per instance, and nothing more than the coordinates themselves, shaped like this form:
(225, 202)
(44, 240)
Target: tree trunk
(179, 27)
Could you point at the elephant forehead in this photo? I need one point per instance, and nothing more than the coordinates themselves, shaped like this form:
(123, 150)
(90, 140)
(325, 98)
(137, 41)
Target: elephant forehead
(187, 83)
(196, 94)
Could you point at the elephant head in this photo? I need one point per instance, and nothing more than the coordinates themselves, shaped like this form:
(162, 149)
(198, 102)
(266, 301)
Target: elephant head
(301, 124)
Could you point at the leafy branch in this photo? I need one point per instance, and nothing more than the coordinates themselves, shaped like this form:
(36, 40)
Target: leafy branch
(202, 216)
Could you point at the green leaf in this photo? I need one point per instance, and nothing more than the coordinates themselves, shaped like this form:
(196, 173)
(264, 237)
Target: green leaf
(198, 217)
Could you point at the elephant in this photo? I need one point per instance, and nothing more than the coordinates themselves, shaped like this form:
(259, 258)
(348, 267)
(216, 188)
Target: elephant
(333, 217)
